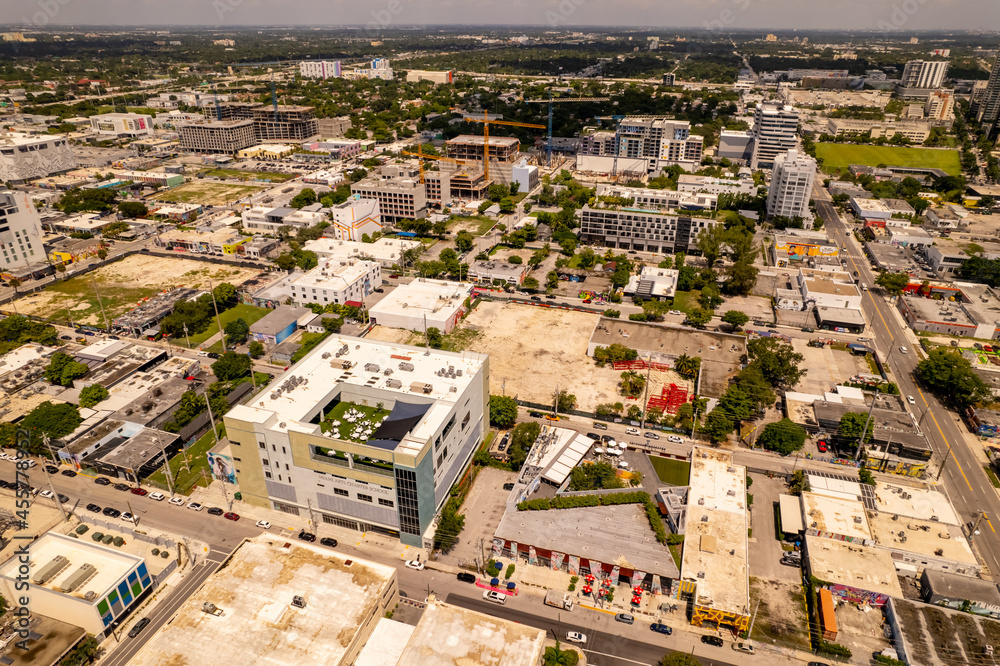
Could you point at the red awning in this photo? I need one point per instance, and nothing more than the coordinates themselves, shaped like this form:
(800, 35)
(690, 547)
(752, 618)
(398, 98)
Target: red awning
(353, 304)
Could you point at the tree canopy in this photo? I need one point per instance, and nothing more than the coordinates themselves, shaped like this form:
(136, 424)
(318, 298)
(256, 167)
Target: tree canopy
(231, 366)
(894, 283)
(852, 424)
(53, 420)
(735, 318)
(784, 437)
(93, 394)
(778, 362)
(62, 369)
(503, 411)
(951, 377)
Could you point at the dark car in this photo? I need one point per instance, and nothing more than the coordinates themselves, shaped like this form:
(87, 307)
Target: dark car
(111, 512)
(102, 481)
(65, 337)
(307, 536)
(139, 626)
(213, 355)
(661, 629)
(68, 472)
(467, 577)
(712, 640)
(808, 329)
(63, 499)
(141, 492)
(123, 487)
(771, 324)
(94, 508)
(114, 337)
(51, 469)
(215, 511)
(535, 298)
(508, 486)
(535, 415)
(551, 297)
(594, 436)
(650, 435)
(328, 542)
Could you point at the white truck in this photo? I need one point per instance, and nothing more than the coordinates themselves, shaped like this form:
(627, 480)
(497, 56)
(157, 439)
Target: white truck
(558, 600)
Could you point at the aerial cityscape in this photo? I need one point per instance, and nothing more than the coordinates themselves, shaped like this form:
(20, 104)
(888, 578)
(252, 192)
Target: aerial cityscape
(543, 334)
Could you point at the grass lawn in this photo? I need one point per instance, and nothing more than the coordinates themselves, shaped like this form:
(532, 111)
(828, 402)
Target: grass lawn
(371, 416)
(686, 301)
(675, 552)
(196, 472)
(245, 175)
(840, 156)
(211, 192)
(78, 294)
(673, 472)
(248, 313)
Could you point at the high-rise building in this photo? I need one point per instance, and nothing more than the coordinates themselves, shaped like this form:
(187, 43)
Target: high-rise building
(20, 234)
(940, 105)
(924, 73)
(363, 434)
(989, 108)
(774, 132)
(791, 185)
(320, 69)
(220, 136)
(655, 140)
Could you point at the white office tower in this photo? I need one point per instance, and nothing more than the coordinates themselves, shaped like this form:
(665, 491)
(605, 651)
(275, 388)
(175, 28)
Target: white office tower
(20, 234)
(774, 130)
(924, 73)
(791, 184)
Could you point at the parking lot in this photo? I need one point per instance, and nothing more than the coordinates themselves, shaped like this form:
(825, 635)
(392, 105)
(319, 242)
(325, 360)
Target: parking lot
(483, 508)
(826, 367)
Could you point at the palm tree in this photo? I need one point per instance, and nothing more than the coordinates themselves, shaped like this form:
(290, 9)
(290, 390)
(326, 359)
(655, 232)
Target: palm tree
(687, 366)
(556, 657)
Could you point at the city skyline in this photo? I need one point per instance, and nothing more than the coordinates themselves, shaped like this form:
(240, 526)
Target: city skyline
(714, 15)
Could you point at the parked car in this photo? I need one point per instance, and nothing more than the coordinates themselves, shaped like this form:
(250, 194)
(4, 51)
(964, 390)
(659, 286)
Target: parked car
(231, 516)
(51, 469)
(158, 496)
(68, 472)
(626, 618)
(123, 487)
(128, 517)
(215, 511)
(416, 565)
(194, 506)
(650, 435)
(600, 426)
(176, 501)
(911, 400)
(675, 312)
(821, 446)
(576, 637)
(328, 542)
(93, 507)
(139, 626)
(111, 512)
(745, 648)
(631, 431)
(661, 628)
(551, 297)
(63, 499)
(263, 524)
(141, 492)
(101, 481)
(495, 597)
(467, 577)
(47, 493)
(535, 298)
(508, 486)
(307, 536)
(675, 439)
(712, 640)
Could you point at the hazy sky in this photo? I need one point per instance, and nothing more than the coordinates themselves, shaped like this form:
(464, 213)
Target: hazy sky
(900, 16)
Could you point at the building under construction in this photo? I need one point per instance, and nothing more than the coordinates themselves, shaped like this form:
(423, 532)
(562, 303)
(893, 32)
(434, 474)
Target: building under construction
(503, 152)
(148, 314)
(271, 124)
(455, 184)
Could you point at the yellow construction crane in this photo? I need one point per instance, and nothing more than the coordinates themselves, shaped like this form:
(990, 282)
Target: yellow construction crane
(485, 120)
(422, 156)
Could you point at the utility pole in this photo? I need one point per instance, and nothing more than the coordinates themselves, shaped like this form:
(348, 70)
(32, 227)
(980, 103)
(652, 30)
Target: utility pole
(52, 488)
(208, 403)
(753, 619)
(100, 302)
(864, 432)
(211, 290)
(186, 336)
(649, 370)
(166, 463)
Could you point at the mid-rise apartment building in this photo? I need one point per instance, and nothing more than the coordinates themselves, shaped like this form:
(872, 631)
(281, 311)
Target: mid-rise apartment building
(320, 69)
(270, 124)
(20, 234)
(446, 76)
(645, 198)
(24, 157)
(337, 281)
(940, 105)
(642, 230)
(791, 185)
(220, 136)
(924, 74)
(743, 184)
(472, 147)
(122, 124)
(398, 190)
(774, 133)
(656, 140)
(363, 434)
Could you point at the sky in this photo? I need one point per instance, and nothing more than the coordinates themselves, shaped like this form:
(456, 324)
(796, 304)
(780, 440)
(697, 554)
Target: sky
(900, 16)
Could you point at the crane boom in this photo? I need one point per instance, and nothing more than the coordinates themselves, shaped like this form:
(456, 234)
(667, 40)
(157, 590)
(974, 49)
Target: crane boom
(551, 100)
(485, 120)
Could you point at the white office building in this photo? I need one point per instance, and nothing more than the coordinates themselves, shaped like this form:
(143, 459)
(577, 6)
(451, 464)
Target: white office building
(774, 133)
(24, 157)
(525, 175)
(119, 124)
(20, 234)
(924, 73)
(337, 282)
(320, 69)
(791, 185)
(355, 218)
(423, 304)
(363, 434)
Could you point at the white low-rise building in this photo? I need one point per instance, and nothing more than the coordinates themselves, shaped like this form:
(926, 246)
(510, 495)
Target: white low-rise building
(338, 282)
(423, 304)
(386, 251)
(355, 218)
(653, 282)
(870, 209)
(118, 124)
(740, 185)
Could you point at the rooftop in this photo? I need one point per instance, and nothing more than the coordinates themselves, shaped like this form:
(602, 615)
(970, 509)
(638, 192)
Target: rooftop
(333, 274)
(451, 636)
(921, 536)
(715, 542)
(937, 636)
(479, 140)
(278, 320)
(384, 250)
(422, 296)
(836, 516)
(617, 534)
(956, 586)
(18, 358)
(852, 565)
(918, 503)
(138, 449)
(254, 590)
(48, 640)
(110, 565)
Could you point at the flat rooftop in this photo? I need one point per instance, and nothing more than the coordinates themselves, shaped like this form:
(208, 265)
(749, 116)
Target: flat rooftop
(618, 534)
(333, 274)
(383, 250)
(921, 536)
(277, 320)
(254, 589)
(110, 564)
(720, 352)
(715, 541)
(852, 565)
(835, 515)
(937, 636)
(891, 257)
(138, 449)
(872, 205)
(16, 359)
(49, 639)
(386, 644)
(918, 503)
(944, 312)
(423, 296)
(479, 140)
(451, 636)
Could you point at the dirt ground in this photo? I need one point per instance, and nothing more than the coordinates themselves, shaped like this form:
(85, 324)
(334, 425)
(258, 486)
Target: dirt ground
(123, 284)
(483, 509)
(535, 349)
(386, 334)
(754, 307)
(826, 367)
(207, 193)
(861, 631)
(781, 616)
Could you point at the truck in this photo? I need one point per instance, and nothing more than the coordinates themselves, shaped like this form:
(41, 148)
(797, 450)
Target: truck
(558, 600)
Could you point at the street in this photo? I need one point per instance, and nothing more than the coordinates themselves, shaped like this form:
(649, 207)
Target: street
(963, 477)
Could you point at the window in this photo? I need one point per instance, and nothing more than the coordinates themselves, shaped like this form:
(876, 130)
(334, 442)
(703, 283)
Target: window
(286, 467)
(385, 502)
(364, 498)
(465, 421)
(262, 445)
(283, 450)
(237, 459)
(341, 492)
(267, 474)
(264, 462)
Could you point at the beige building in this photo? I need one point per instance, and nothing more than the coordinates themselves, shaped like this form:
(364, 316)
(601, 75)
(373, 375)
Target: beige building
(221, 136)
(398, 190)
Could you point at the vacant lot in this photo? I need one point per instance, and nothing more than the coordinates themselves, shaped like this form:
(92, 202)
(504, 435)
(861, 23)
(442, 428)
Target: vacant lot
(535, 350)
(123, 284)
(206, 193)
(237, 174)
(826, 367)
(781, 615)
(670, 471)
(247, 313)
(840, 156)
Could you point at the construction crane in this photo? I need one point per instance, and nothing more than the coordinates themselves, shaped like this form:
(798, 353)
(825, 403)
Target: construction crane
(485, 120)
(422, 156)
(550, 101)
(618, 121)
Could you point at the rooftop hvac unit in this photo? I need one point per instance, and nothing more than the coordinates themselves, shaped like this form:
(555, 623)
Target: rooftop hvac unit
(50, 570)
(394, 383)
(406, 367)
(298, 602)
(372, 367)
(421, 387)
(453, 389)
(79, 577)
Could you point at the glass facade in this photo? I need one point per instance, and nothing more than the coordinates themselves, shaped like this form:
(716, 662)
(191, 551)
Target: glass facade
(407, 503)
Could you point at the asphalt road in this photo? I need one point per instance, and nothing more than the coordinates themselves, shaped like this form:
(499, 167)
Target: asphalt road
(963, 477)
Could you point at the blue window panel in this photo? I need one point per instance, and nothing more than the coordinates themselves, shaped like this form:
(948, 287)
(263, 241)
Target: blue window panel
(123, 589)
(142, 570)
(107, 619)
(145, 582)
(132, 578)
(127, 597)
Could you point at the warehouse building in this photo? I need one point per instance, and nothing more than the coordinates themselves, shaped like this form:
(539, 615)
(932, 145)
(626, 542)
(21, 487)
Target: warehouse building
(423, 304)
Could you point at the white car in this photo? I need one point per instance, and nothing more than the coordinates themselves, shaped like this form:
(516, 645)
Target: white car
(675, 439)
(495, 597)
(631, 431)
(264, 524)
(416, 565)
(910, 400)
(47, 493)
(176, 501)
(127, 517)
(675, 312)
(904, 350)
(576, 637)
(156, 496)
(194, 506)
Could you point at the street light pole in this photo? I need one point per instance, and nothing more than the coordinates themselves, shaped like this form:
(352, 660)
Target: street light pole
(211, 290)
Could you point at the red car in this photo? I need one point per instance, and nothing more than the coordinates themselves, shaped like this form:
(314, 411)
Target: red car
(821, 445)
(987, 348)
(140, 491)
(231, 516)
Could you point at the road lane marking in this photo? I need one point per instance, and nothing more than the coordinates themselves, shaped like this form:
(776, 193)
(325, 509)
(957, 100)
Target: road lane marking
(614, 656)
(989, 523)
(953, 456)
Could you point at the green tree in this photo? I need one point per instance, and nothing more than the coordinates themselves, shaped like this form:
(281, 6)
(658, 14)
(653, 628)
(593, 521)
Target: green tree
(555, 656)
(866, 476)
(285, 262)
(778, 362)
(503, 411)
(464, 241)
(951, 377)
(710, 243)
(225, 296)
(231, 366)
(699, 317)
(784, 437)
(521, 439)
(256, 349)
(687, 366)
(852, 424)
(551, 280)
(93, 394)
(799, 483)
(434, 337)
(515, 259)
(894, 283)
(507, 206)
(54, 420)
(680, 659)
(132, 209)
(735, 318)
(568, 245)
(62, 369)
(709, 297)
(565, 401)
(304, 198)
(741, 277)
(717, 425)
(237, 331)
(530, 284)
(737, 403)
